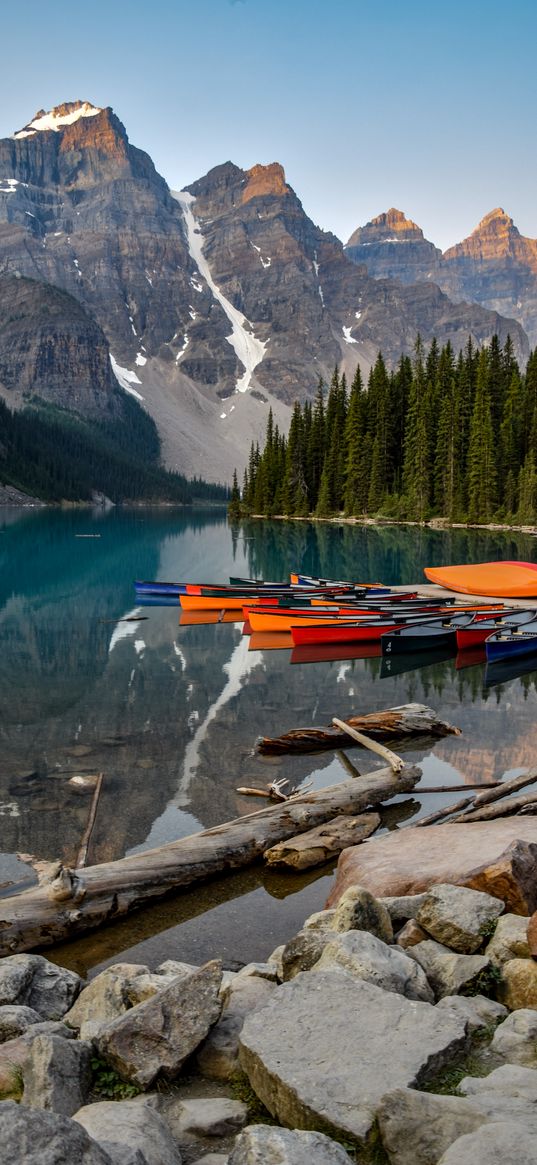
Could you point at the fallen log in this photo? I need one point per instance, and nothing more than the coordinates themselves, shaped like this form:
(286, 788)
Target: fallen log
(490, 812)
(392, 724)
(319, 845)
(394, 761)
(504, 788)
(69, 902)
(446, 811)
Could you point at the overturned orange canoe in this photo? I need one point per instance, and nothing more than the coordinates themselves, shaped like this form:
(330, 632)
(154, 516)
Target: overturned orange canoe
(508, 580)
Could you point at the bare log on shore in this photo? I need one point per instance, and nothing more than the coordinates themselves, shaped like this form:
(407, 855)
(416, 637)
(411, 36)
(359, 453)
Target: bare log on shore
(504, 788)
(69, 902)
(395, 723)
(497, 809)
(447, 810)
(319, 845)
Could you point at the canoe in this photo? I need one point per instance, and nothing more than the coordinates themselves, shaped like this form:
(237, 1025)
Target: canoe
(352, 631)
(478, 630)
(502, 579)
(419, 637)
(278, 619)
(306, 580)
(509, 644)
(156, 587)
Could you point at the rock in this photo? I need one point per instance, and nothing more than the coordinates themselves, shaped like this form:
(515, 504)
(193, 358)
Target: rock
(136, 1126)
(411, 860)
(159, 1035)
(479, 1012)
(263, 1145)
(217, 1057)
(365, 957)
(516, 1039)
(57, 1074)
(14, 1055)
(318, 1052)
(174, 967)
(508, 1093)
(501, 1143)
(245, 993)
(519, 984)
(215, 1116)
(357, 909)
(303, 951)
(417, 1127)
(532, 935)
(403, 908)
(213, 1159)
(321, 920)
(509, 941)
(15, 1020)
(104, 999)
(458, 917)
(33, 981)
(258, 971)
(277, 956)
(410, 934)
(45, 1138)
(447, 971)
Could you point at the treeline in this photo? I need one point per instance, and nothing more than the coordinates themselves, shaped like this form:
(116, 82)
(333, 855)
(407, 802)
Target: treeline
(440, 435)
(57, 456)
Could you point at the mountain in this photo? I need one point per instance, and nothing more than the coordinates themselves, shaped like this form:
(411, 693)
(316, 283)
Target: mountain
(495, 266)
(217, 302)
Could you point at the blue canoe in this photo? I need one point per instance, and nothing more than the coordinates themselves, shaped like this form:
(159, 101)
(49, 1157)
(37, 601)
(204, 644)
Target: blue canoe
(512, 643)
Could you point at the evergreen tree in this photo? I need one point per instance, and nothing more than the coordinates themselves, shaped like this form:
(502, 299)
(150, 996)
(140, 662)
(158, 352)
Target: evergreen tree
(481, 460)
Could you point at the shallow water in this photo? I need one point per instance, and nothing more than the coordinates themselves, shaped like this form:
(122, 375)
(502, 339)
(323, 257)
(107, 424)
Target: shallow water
(170, 713)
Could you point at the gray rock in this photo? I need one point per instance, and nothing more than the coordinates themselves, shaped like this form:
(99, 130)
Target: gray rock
(263, 1145)
(174, 967)
(57, 1074)
(357, 909)
(276, 958)
(516, 1039)
(321, 920)
(458, 917)
(212, 1117)
(259, 971)
(303, 951)
(158, 1036)
(405, 907)
(45, 1138)
(417, 1127)
(136, 1127)
(328, 1047)
(506, 1094)
(364, 956)
(15, 1019)
(246, 993)
(501, 1143)
(213, 1159)
(480, 1013)
(509, 941)
(217, 1057)
(33, 981)
(104, 999)
(448, 972)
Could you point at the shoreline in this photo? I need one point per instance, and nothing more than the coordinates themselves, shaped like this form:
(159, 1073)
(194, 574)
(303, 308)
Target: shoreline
(431, 523)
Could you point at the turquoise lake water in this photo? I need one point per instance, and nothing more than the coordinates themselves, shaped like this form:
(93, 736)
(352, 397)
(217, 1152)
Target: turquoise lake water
(90, 682)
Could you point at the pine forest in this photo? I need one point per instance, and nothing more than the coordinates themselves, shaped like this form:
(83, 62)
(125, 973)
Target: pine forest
(440, 436)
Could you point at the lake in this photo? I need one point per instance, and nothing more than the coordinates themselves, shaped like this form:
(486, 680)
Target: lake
(90, 682)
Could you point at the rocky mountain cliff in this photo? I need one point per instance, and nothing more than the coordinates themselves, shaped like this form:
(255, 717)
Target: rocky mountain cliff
(495, 266)
(216, 302)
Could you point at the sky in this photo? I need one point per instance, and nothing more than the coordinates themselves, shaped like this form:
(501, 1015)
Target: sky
(426, 106)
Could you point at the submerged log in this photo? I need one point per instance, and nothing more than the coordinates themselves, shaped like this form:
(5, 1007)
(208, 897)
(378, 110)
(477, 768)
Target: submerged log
(393, 724)
(68, 902)
(319, 845)
(498, 809)
(446, 811)
(505, 787)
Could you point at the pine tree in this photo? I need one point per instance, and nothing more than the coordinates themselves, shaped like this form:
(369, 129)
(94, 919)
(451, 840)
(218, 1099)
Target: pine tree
(481, 461)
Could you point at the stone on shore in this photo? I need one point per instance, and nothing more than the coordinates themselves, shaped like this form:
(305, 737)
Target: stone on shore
(417, 1127)
(321, 920)
(14, 1055)
(214, 1116)
(157, 1037)
(516, 1039)
(133, 1128)
(519, 984)
(45, 1138)
(448, 972)
(217, 1057)
(481, 1013)
(365, 957)
(458, 917)
(509, 941)
(501, 1143)
(303, 951)
(33, 981)
(507, 1093)
(357, 909)
(403, 908)
(410, 934)
(57, 1074)
(104, 999)
(532, 935)
(15, 1020)
(263, 1145)
(327, 1048)
(411, 860)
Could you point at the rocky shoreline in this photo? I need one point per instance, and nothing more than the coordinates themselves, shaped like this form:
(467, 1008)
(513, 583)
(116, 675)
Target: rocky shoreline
(394, 1030)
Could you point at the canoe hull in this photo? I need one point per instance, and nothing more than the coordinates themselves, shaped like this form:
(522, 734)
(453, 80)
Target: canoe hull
(497, 579)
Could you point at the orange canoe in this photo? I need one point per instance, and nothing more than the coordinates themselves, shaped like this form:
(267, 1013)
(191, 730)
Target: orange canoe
(496, 579)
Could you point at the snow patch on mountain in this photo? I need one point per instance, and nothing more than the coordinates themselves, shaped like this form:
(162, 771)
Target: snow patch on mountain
(348, 338)
(54, 120)
(248, 349)
(125, 378)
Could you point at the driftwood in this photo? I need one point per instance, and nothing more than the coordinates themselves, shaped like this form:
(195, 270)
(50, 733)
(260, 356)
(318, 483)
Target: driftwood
(505, 787)
(319, 845)
(407, 720)
(445, 812)
(490, 812)
(394, 761)
(68, 902)
(84, 844)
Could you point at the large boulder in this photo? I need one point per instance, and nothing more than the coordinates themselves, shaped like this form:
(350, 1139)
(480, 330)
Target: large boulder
(15, 1019)
(304, 950)
(57, 1074)
(501, 1143)
(263, 1145)
(357, 909)
(365, 957)
(45, 1138)
(217, 1057)
(158, 1036)
(137, 1127)
(458, 917)
(417, 1127)
(448, 972)
(516, 1038)
(411, 860)
(104, 999)
(519, 984)
(36, 983)
(327, 1047)
(509, 941)
(507, 1093)
(402, 908)
(480, 1013)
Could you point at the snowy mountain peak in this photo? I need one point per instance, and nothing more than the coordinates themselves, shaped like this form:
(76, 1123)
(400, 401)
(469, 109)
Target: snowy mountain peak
(58, 117)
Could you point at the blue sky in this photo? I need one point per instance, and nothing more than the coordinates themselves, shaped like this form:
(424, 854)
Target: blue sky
(425, 106)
